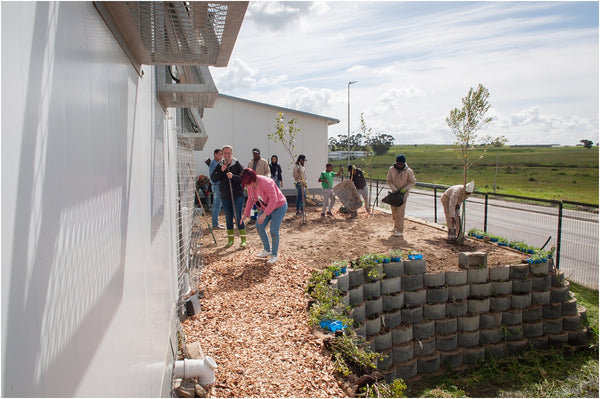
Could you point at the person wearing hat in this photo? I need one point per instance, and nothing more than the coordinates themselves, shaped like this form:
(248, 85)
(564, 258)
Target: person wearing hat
(299, 175)
(259, 164)
(451, 200)
(358, 178)
(400, 177)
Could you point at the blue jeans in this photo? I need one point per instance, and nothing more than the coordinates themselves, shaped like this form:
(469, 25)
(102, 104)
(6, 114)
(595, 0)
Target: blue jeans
(216, 205)
(277, 181)
(299, 197)
(276, 217)
(228, 208)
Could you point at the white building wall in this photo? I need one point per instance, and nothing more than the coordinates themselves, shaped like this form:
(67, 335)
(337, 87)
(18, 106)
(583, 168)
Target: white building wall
(246, 125)
(88, 265)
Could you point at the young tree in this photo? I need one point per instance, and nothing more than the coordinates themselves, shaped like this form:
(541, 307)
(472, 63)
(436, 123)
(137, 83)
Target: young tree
(286, 134)
(465, 123)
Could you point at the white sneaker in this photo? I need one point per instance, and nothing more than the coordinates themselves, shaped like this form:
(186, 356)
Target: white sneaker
(263, 254)
(272, 260)
(398, 234)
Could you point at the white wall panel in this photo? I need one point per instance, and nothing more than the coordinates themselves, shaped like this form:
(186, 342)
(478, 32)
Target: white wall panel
(246, 125)
(88, 267)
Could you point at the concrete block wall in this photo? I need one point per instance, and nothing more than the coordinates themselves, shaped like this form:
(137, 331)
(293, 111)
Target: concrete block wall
(430, 322)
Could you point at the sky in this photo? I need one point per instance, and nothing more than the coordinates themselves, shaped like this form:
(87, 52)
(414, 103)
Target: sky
(414, 61)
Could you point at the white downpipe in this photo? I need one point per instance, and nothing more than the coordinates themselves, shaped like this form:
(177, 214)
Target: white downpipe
(203, 369)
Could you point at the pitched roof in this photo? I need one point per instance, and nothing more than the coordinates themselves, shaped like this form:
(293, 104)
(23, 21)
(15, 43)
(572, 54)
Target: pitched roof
(330, 121)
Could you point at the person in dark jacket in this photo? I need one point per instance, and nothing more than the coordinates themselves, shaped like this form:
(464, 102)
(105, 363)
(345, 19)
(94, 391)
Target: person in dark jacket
(358, 178)
(227, 173)
(276, 171)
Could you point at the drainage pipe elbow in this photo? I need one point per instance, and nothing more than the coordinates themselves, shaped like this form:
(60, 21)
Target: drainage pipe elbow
(203, 369)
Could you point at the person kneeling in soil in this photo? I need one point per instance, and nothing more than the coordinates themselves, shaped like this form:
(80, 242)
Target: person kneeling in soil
(358, 178)
(326, 180)
(451, 200)
(272, 206)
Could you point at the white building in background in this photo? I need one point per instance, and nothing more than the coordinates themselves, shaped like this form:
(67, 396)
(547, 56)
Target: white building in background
(246, 124)
(99, 122)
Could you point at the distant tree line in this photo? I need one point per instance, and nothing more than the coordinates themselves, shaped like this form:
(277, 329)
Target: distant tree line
(380, 143)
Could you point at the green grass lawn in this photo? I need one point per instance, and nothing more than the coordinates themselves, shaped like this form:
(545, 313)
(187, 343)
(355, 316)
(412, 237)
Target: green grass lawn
(563, 173)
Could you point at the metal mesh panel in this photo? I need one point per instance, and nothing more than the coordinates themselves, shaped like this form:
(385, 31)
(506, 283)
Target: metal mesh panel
(180, 32)
(185, 211)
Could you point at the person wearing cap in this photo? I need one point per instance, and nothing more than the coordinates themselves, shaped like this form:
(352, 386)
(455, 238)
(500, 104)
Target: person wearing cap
(299, 175)
(259, 164)
(451, 200)
(358, 178)
(272, 205)
(400, 177)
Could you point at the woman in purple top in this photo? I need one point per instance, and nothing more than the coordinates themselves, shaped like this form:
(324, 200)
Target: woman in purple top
(272, 206)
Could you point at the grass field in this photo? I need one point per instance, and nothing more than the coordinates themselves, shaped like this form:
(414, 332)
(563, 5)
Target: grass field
(562, 173)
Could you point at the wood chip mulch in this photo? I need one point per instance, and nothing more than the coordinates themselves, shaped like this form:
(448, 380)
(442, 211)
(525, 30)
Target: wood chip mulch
(254, 324)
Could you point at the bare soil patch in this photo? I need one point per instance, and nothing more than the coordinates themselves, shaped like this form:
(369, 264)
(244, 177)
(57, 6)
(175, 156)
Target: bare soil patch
(254, 315)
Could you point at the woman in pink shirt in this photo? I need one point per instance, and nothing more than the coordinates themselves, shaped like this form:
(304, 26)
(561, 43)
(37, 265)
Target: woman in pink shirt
(272, 206)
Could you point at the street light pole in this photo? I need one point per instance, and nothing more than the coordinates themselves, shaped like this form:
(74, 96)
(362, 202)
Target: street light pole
(349, 83)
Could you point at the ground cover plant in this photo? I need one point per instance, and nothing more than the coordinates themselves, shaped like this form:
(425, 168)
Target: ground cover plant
(562, 173)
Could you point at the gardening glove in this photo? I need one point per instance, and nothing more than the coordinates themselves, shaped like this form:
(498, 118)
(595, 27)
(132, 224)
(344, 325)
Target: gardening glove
(402, 190)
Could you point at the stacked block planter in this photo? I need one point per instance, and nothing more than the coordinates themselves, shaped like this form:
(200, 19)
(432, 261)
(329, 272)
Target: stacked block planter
(426, 322)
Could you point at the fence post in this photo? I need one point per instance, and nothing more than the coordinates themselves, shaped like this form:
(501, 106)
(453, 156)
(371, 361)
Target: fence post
(435, 204)
(485, 213)
(558, 237)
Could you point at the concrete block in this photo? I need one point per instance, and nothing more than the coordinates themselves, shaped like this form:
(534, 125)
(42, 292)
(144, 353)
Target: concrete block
(415, 298)
(434, 279)
(468, 322)
(532, 330)
(490, 335)
(434, 311)
(356, 295)
(496, 351)
(478, 305)
(578, 338)
(428, 364)
(541, 283)
(407, 369)
(424, 346)
(402, 334)
(539, 269)
(392, 319)
(538, 342)
(553, 326)
(372, 290)
(521, 300)
(468, 259)
(558, 340)
(559, 294)
(446, 326)
(362, 329)
(478, 275)
(391, 285)
(452, 359)
(358, 313)
(516, 346)
(386, 361)
(424, 329)
(552, 311)
(540, 297)
(518, 271)
(393, 302)
(481, 290)
(393, 269)
(412, 315)
(356, 277)
(533, 313)
(383, 341)
(512, 317)
(459, 291)
(499, 273)
(474, 355)
(500, 288)
(456, 308)
(374, 307)
(437, 295)
(490, 320)
(456, 277)
(373, 326)
(521, 285)
(446, 342)
(514, 333)
(417, 266)
(468, 339)
(500, 304)
(412, 282)
(343, 282)
(389, 375)
(569, 307)
(403, 352)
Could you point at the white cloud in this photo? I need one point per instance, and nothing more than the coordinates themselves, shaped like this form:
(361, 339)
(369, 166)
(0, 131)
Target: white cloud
(313, 101)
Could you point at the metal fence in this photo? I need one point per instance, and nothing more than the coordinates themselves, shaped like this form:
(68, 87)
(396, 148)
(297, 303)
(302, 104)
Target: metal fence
(570, 227)
(186, 185)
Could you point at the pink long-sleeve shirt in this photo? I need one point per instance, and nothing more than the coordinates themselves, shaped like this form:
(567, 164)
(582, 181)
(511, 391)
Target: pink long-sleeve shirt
(267, 191)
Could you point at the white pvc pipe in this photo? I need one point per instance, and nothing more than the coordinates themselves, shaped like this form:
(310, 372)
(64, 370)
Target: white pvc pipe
(203, 369)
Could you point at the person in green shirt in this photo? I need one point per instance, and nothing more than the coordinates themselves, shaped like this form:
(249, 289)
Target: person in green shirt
(326, 180)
